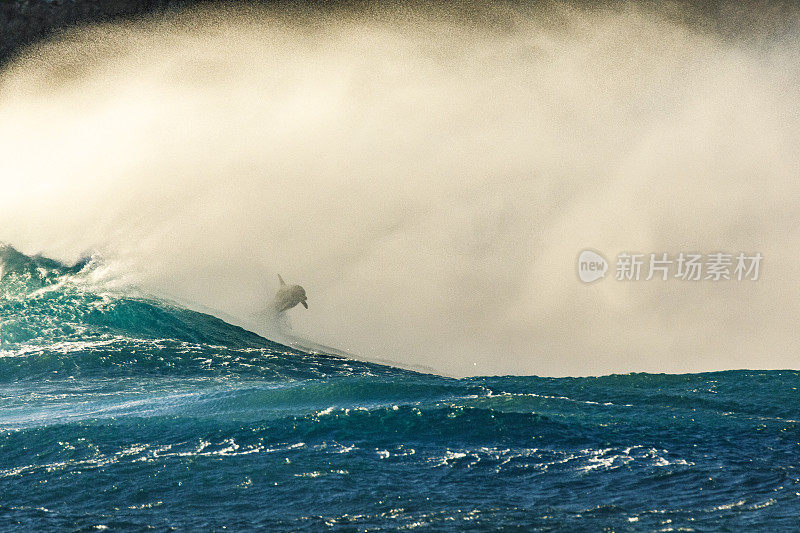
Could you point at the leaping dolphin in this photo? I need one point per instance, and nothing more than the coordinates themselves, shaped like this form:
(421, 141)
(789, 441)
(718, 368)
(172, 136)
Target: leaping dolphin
(288, 296)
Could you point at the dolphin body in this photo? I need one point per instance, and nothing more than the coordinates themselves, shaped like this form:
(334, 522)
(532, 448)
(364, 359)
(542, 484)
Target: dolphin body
(287, 297)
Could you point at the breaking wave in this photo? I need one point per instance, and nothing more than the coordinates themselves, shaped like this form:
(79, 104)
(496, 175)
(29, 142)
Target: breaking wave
(177, 419)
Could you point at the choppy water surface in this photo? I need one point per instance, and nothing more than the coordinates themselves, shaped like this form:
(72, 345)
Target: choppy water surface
(131, 413)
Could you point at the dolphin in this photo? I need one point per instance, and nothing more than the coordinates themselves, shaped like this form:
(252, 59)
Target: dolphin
(288, 296)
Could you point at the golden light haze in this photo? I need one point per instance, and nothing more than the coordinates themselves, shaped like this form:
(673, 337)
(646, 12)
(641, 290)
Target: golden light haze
(430, 182)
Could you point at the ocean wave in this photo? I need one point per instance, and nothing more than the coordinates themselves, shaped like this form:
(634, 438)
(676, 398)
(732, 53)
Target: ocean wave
(176, 419)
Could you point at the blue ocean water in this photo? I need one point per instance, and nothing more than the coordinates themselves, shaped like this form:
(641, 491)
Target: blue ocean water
(133, 414)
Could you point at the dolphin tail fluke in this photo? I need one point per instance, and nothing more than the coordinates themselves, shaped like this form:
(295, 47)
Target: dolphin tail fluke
(281, 279)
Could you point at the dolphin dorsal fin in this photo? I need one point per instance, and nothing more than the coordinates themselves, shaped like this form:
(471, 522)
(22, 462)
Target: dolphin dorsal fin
(281, 279)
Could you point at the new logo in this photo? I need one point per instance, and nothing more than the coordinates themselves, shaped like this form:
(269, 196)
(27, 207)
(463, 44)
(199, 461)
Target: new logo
(591, 266)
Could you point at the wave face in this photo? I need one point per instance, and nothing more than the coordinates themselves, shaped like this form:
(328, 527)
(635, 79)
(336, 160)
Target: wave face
(132, 413)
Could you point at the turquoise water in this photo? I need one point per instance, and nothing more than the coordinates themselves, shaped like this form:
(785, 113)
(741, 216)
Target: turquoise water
(135, 414)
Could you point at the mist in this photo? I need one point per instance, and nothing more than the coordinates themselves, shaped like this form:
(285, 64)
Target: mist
(429, 178)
